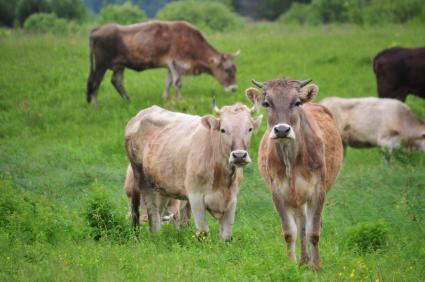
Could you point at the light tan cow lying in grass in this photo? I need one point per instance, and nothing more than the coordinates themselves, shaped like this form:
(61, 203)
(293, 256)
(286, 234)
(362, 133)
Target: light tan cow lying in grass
(300, 157)
(177, 211)
(199, 159)
(368, 122)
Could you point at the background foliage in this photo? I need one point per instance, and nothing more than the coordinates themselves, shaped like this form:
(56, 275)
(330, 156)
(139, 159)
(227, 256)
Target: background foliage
(122, 14)
(205, 15)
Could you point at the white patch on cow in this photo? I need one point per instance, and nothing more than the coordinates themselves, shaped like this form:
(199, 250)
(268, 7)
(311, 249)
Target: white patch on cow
(303, 187)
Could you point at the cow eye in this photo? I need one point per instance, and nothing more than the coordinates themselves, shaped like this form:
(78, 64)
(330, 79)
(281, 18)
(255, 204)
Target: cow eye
(297, 103)
(222, 130)
(250, 129)
(266, 104)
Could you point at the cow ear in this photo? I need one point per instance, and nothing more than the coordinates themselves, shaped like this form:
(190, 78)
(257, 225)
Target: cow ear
(257, 122)
(255, 96)
(308, 92)
(210, 122)
(215, 61)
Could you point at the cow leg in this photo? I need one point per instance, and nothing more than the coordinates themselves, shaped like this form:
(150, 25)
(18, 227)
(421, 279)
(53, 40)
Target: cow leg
(117, 82)
(197, 205)
(135, 204)
(314, 221)
(168, 82)
(289, 226)
(226, 223)
(178, 86)
(93, 83)
(176, 76)
(154, 213)
(184, 214)
(302, 220)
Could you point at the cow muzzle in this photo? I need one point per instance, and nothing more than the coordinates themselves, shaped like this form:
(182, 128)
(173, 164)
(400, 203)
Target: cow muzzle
(239, 158)
(231, 88)
(282, 132)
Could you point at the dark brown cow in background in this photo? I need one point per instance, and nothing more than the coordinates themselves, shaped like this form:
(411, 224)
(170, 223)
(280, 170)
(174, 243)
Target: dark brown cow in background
(300, 157)
(178, 46)
(399, 72)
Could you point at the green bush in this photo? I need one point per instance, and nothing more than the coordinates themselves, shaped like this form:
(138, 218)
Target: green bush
(300, 14)
(367, 237)
(31, 219)
(45, 23)
(122, 14)
(104, 219)
(204, 15)
(358, 12)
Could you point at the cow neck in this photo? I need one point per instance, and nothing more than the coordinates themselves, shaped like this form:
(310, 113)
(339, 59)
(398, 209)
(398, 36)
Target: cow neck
(220, 160)
(301, 153)
(204, 65)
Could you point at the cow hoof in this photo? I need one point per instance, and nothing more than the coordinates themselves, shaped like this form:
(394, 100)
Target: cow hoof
(202, 236)
(314, 267)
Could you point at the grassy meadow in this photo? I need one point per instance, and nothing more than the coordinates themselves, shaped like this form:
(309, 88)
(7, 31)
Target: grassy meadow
(60, 157)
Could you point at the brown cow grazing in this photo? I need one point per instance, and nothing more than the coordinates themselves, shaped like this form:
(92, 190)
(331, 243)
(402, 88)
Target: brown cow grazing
(399, 72)
(300, 156)
(177, 211)
(178, 46)
(368, 122)
(199, 159)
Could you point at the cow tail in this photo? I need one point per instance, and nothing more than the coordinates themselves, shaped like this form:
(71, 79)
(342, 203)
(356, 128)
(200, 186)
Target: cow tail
(91, 58)
(91, 71)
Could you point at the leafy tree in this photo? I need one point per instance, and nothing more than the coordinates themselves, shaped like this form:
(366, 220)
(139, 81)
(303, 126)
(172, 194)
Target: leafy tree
(69, 9)
(7, 12)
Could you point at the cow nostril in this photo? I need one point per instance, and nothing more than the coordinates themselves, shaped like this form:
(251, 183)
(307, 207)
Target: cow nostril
(287, 130)
(244, 155)
(276, 130)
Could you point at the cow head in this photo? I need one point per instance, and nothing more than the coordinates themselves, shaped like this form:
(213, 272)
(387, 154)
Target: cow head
(417, 142)
(283, 100)
(234, 127)
(223, 68)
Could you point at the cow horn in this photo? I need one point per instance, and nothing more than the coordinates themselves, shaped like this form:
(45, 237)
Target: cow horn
(304, 82)
(214, 107)
(237, 53)
(258, 84)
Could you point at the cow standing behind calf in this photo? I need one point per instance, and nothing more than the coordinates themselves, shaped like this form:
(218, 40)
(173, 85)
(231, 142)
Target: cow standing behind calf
(370, 121)
(176, 211)
(175, 155)
(177, 46)
(300, 157)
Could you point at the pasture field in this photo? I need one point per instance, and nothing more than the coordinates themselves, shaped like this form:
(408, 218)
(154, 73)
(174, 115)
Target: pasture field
(58, 155)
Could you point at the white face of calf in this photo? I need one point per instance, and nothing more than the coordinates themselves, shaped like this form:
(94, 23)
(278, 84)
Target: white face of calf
(234, 126)
(282, 99)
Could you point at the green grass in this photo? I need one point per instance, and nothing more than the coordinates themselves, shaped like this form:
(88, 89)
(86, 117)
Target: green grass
(56, 152)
